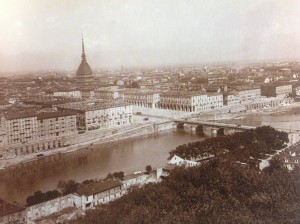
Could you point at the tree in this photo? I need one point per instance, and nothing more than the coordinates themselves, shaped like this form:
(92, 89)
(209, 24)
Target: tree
(135, 85)
(39, 197)
(119, 175)
(67, 187)
(88, 181)
(148, 169)
(109, 176)
(240, 146)
(220, 191)
(275, 164)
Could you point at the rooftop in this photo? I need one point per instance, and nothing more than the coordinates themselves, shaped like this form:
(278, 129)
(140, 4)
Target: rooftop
(47, 101)
(18, 115)
(182, 94)
(138, 91)
(48, 115)
(93, 105)
(98, 187)
(7, 208)
(245, 87)
(134, 175)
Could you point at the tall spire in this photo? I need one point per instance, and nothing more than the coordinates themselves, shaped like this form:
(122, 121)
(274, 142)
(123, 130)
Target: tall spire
(83, 53)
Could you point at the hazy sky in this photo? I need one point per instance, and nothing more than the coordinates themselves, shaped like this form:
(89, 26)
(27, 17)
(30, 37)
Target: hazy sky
(46, 34)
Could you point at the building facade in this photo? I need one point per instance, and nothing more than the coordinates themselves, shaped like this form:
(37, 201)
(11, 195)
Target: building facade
(231, 100)
(245, 94)
(56, 124)
(68, 94)
(97, 193)
(107, 94)
(30, 132)
(46, 208)
(140, 97)
(91, 115)
(190, 101)
(273, 90)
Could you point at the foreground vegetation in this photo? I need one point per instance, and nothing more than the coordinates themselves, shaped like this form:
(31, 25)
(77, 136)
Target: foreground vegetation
(219, 191)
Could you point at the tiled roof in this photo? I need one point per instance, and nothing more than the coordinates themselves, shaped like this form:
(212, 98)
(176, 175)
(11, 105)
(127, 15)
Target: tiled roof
(182, 93)
(17, 115)
(131, 176)
(98, 187)
(48, 115)
(93, 105)
(138, 91)
(7, 208)
(244, 88)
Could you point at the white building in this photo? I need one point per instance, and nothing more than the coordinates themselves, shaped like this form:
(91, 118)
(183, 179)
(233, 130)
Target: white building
(46, 208)
(91, 115)
(97, 193)
(134, 179)
(67, 93)
(178, 161)
(23, 133)
(190, 101)
(140, 97)
(245, 94)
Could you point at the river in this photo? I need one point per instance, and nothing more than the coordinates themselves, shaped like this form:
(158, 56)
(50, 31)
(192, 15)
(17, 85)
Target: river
(127, 155)
(285, 120)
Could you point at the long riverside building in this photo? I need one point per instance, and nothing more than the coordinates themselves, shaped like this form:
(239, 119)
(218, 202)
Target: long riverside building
(170, 100)
(91, 115)
(140, 97)
(27, 132)
(190, 101)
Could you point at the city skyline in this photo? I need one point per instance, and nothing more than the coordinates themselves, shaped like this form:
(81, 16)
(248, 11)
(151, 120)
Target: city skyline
(46, 35)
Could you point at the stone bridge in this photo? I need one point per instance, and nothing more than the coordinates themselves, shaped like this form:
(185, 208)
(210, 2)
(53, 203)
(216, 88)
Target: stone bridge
(211, 128)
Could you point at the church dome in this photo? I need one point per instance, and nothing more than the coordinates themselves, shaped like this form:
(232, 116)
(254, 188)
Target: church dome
(84, 68)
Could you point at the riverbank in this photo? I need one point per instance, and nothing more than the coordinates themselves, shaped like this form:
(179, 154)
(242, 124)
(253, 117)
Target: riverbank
(134, 132)
(252, 118)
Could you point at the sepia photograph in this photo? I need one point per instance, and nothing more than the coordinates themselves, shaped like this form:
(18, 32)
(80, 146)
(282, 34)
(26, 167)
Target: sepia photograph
(150, 112)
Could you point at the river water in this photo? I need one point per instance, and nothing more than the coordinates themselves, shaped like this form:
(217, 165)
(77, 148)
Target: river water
(127, 155)
(284, 120)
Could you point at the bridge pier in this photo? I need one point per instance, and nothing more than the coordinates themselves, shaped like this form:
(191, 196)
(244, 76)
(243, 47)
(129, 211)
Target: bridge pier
(193, 129)
(211, 128)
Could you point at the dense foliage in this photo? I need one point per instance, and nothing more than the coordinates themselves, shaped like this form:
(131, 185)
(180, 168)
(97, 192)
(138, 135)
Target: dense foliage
(220, 191)
(247, 146)
(39, 197)
(119, 175)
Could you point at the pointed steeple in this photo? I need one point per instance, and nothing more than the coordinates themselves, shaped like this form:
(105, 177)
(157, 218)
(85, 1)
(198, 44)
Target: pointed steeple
(83, 58)
(84, 68)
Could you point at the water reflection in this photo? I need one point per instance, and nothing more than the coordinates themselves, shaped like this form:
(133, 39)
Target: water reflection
(96, 162)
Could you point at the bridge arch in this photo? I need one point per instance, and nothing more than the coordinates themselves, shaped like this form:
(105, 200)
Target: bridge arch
(221, 132)
(199, 130)
(180, 125)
